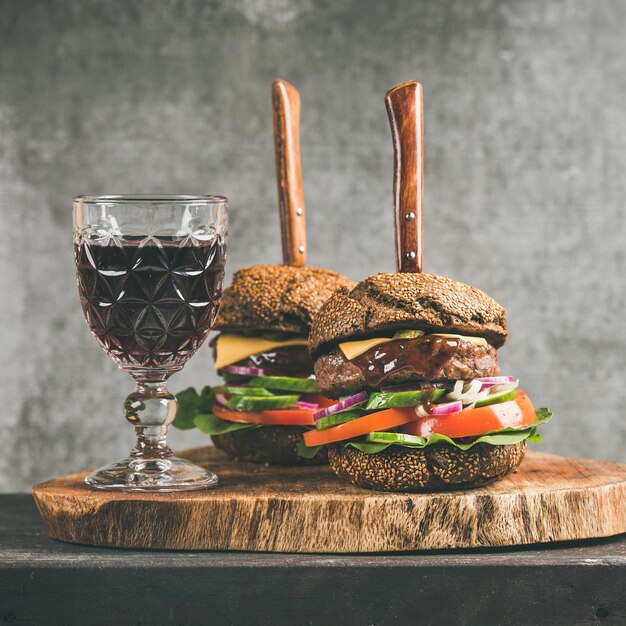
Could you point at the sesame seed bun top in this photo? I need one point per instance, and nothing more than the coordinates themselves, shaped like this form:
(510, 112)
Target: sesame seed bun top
(385, 302)
(277, 298)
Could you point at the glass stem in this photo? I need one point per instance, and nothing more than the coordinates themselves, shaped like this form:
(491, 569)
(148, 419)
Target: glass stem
(150, 408)
(150, 446)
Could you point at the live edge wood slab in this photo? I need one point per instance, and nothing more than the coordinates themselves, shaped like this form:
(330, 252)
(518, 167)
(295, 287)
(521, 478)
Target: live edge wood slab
(43, 581)
(256, 508)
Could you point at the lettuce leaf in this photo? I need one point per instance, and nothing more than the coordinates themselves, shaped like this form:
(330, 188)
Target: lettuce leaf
(190, 404)
(505, 436)
(305, 452)
(210, 424)
(188, 401)
(207, 400)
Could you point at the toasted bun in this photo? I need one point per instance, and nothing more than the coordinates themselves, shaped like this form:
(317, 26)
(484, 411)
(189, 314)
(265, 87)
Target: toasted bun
(386, 302)
(434, 468)
(276, 445)
(277, 298)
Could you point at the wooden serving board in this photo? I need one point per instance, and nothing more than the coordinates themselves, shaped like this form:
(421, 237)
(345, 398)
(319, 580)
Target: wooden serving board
(258, 508)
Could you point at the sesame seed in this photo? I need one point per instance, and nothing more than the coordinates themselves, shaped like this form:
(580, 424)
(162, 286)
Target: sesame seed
(277, 298)
(270, 445)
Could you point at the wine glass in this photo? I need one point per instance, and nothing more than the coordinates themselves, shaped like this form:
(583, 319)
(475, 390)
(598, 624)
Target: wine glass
(150, 272)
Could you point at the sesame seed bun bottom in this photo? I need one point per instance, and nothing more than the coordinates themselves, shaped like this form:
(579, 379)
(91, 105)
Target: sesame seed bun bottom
(441, 467)
(273, 445)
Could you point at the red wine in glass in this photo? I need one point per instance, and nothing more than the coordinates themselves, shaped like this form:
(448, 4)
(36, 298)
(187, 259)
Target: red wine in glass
(150, 271)
(151, 304)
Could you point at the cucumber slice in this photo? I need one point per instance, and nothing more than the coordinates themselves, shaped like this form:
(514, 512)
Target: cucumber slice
(284, 383)
(397, 399)
(497, 398)
(386, 437)
(338, 418)
(256, 403)
(243, 391)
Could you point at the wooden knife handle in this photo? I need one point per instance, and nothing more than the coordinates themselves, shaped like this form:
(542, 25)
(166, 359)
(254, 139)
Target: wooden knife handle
(406, 116)
(286, 116)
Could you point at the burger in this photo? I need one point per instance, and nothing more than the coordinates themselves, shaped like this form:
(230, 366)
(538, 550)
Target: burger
(421, 404)
(269, 394)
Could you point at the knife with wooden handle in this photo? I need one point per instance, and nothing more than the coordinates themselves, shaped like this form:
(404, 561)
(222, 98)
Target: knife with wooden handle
(286, 116)
(406, 116)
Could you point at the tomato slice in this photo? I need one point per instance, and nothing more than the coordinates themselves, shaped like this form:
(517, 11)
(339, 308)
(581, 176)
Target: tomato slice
(279, 417)
(472, 422)
(382, 420)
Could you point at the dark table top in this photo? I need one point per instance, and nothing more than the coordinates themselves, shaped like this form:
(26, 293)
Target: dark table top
(43, 581)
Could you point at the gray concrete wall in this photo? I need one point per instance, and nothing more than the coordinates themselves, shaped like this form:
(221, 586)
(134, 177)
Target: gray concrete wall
(525, 180)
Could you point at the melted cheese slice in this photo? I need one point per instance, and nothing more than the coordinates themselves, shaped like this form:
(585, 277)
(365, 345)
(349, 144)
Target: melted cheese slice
(232, 347)
(477, 341)
(353, 349)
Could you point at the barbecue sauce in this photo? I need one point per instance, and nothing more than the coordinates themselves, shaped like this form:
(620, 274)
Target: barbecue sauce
(427, 354)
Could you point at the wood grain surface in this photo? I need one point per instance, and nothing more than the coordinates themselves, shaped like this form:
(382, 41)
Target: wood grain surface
(49, 582)
(286, 116)
(257, 508)
(406, 115)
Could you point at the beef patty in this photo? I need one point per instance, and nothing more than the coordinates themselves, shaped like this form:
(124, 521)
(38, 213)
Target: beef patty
(427, 358)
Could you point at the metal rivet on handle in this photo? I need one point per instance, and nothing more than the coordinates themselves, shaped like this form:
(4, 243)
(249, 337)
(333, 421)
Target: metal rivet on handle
(299, 211)
(301, 250)
(410, 255)
(410, 216)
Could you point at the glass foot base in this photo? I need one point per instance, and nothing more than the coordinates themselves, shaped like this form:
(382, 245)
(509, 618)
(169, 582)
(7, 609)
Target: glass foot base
(170, 474)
